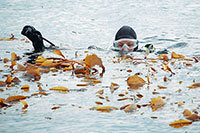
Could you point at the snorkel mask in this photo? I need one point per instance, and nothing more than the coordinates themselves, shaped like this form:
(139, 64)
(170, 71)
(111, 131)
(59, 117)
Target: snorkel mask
(126, 45)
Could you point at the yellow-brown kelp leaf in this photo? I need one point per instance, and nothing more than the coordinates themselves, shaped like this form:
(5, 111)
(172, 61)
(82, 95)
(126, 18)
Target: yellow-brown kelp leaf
(101, 97)
(107, 99)
(104, 108)
(16, 80)
(13, 63)
(92, 60)
(130, 108)
(135, 82)
(8, 39)
(180, 123)
(25, 88)
(123, 107)
(40, 59)
(139, 95)
(13, 56)
(153, 69)
(21, 67)
(177, 56)
(195, 85)
(121, 95)
(167, 68)
(95, 81)
(43, 70)
(113, 87)
(68, 68)
(31, 67)
(154, 117)
(5, 60)
(63, 64)
(58, 52)
(9, 79)
(40, 88)
(187, 64)
(56, 107)
(195, 59)
(24, 103)
(33, 73)
(83, 84)
(15, 98)
(3, 103)
(129, 71)
(188, 59)
(82, 70)
(59, 88)
(40, 93)
(157, 103)
(99, 103)
(165, 79)
(100, 92)
(49, 63)
(161, 87)
(186, 112)
(126, 98)
(163, 57)
(193, 117)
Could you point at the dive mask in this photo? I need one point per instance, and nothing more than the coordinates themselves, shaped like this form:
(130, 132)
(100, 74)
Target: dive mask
(125, 44)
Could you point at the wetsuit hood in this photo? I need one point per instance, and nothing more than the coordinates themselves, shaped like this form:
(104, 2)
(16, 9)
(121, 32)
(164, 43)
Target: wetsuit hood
(35, 36)
(125, 32)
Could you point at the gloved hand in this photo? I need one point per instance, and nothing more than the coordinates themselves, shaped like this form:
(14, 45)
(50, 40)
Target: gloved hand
(149, 47)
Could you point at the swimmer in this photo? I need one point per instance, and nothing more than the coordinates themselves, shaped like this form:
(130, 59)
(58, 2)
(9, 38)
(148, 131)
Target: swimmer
(36, 38)
(126, 41)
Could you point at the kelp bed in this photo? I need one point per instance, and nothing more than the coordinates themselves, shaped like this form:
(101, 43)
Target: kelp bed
(133, 84)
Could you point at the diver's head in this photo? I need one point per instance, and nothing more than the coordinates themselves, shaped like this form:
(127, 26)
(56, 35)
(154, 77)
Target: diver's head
(126, 39)
(35, 36)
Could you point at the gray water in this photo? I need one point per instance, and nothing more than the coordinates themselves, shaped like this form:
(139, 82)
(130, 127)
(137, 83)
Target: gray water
(75, 25)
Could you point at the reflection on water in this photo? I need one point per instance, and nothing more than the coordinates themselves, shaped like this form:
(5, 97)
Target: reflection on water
(75, 25)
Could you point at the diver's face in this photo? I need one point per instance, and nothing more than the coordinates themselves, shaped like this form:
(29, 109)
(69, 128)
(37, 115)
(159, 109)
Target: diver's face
(127, 45)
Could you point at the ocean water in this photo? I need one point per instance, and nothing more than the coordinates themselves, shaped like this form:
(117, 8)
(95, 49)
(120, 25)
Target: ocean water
(73, 25)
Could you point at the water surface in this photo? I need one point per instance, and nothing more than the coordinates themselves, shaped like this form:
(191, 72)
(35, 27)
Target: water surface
(75, 25)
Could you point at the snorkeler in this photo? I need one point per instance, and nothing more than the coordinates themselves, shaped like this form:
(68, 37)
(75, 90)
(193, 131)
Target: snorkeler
(126, 41)
(36, 38)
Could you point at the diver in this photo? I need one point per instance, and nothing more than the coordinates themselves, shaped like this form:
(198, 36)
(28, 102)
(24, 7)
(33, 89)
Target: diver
(126, 41)
(37, 41)
(36, 38)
